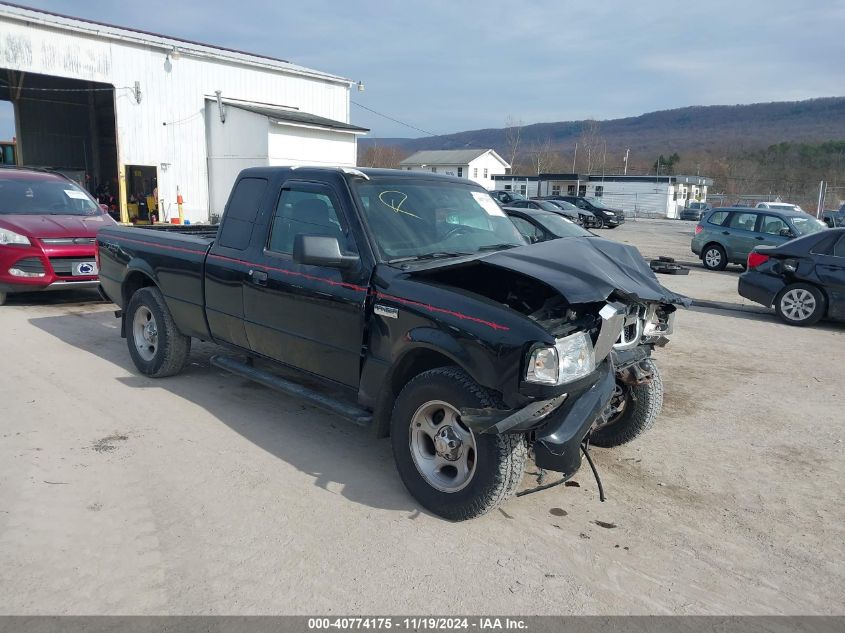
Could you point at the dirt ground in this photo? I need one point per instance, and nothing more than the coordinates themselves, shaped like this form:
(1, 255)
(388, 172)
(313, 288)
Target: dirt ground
(205, 494)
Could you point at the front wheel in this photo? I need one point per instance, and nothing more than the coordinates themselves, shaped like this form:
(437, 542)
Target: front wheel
(633, 410)
(800, 304)
(599, 223)
(714, 257)
(156, 345)
(450, 470)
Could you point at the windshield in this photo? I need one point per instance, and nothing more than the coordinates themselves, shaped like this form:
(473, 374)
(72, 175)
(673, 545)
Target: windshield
(563, 204)
(548, 206)
(598, 204)
(808, 225)
(560, 226)
(414, 218)
(44, 197)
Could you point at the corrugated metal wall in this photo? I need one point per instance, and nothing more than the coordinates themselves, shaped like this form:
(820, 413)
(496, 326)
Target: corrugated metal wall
(168, 125)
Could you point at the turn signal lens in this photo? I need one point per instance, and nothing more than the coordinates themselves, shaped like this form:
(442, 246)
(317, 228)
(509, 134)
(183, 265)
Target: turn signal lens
(755, 259)
(698, 229)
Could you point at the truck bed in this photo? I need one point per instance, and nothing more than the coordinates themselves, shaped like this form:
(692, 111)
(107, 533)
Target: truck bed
(171, 257)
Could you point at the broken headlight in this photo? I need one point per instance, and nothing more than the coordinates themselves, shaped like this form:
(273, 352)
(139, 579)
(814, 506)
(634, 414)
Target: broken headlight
(571, 358)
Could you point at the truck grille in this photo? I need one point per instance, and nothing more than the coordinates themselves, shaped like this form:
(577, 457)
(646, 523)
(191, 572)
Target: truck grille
(29, 265)
(65, 241)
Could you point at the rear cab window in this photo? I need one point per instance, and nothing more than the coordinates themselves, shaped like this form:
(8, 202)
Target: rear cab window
(241, 213)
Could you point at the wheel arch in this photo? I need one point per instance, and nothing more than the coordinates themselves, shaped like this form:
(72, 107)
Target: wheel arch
(794, 282)
(413, 362)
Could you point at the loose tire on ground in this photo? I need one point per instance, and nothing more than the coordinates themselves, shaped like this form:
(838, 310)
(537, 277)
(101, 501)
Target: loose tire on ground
(498, 461)
(165, 350)
(714, 257)
(641, 408)
(800, 304)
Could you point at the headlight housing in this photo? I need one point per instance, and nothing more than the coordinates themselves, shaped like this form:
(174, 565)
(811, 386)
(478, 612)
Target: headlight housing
(571, 358)
(8, 238)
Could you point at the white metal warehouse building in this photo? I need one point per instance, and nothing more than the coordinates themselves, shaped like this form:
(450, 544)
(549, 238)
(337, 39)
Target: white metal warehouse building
(135, 111)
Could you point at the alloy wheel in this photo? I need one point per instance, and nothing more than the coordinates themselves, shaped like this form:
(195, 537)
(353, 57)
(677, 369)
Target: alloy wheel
(798, 304)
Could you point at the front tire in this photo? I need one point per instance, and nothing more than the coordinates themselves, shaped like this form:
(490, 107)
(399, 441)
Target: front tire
(599, 222)
(800, 304)
(636, 410)
(156, 345)
(450, 470)
(714, 257)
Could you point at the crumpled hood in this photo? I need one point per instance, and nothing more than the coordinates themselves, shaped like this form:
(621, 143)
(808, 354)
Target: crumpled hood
(47, 226)
(587, 269)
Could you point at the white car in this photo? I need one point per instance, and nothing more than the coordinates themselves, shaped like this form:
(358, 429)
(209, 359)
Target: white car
(779, 206)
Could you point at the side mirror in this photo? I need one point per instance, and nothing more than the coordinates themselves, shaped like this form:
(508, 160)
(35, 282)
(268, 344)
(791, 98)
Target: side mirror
(321, 250)
(786, 233)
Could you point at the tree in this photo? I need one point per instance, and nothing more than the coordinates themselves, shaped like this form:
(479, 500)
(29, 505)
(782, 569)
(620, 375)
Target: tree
(664, 165)
(513, 134)
(589, 145)
(377, 155)
(544, 158)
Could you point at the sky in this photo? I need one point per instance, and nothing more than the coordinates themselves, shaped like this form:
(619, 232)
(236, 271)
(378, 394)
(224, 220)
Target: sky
(449, 66)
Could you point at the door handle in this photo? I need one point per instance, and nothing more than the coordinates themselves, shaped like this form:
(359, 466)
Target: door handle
(259, 277)
(726, 232)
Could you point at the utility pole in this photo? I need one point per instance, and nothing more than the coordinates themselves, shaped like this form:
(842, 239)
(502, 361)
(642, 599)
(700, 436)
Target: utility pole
(822, 196)
(626, 160)
(574, 158)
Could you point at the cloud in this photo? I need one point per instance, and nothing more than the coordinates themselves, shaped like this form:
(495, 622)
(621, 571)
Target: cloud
(447, 66)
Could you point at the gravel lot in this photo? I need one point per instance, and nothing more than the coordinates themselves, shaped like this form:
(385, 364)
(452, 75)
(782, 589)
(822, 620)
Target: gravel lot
(207, 494)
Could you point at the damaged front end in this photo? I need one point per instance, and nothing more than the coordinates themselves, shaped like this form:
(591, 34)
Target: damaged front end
(618, 338)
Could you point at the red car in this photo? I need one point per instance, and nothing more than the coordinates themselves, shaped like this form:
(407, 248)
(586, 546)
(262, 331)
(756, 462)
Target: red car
(48, 226)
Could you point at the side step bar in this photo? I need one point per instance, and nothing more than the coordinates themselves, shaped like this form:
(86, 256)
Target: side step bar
(347, 410)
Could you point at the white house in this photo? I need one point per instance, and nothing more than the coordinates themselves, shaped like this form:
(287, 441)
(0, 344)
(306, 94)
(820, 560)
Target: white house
(135, 111)
(662, 196)
(480, 165)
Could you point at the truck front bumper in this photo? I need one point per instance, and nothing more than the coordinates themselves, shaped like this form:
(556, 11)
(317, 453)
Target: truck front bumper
(559, 424)
(558, 440)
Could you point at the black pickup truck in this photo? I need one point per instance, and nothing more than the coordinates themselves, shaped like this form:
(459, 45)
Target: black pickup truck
(415, 302)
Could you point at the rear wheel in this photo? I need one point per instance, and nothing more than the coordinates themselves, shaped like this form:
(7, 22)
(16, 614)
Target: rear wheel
(714, 257)
(800, 304)
(156, 345)
(450, 470)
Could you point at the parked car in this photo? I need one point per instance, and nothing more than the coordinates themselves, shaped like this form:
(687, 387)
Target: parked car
(804, 279)
(694, 210)
(572, 213)
(414, 296)
(606, 217)
(48, 226)
(569, 210)
(834, 218)
(779, 206)
(537, 225)
(506, 196)
(726, 235)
